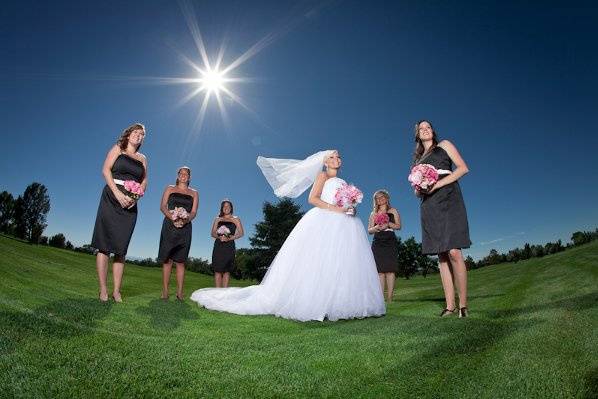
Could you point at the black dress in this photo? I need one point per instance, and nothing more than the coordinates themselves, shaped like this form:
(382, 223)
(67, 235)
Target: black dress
(175, 242)
(223, 254)
(443, 214)
(114, 224)
(386, 250)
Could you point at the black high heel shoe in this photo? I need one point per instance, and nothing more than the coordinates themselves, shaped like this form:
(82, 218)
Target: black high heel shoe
(447, 312)
(463, 312)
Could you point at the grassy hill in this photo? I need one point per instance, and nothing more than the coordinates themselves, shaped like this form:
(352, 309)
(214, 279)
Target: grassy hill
(533, 332)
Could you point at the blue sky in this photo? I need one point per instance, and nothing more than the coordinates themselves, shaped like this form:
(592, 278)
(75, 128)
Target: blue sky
(512, 85)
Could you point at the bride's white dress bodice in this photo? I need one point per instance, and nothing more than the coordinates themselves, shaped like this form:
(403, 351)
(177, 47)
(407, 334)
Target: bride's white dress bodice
(329, 190)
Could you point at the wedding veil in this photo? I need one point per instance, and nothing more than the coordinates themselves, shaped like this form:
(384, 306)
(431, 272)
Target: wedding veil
(291, 177)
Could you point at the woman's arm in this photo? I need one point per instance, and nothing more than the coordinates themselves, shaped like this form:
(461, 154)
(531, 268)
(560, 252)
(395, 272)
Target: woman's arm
(122, 199)
(461, 168)
(193, 212)
(397, 224)
(372, 227)
(144, 181)
(239, 231)
(214, 232)
(164, 203)
(316, 192)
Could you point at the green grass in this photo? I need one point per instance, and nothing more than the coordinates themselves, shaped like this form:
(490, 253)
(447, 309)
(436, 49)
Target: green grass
(533, 332)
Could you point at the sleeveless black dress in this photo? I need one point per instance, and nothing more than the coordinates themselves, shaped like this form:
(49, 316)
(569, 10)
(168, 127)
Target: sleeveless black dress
(114, 225)
(443, 214)
(386, 250)
(175, 242)
(223, 254)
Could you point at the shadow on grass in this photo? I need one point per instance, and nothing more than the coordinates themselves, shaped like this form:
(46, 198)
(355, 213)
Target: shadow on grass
(591, 384)
(441, 299)
(59, 319)
(581, 302)
(167, 315)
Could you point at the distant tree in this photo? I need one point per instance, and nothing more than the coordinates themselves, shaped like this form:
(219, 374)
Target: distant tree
(43, 240)
(245, 263)
(86, 249)
(19, 229)
(69, 246)
(493, 258)
(270, 234)
(7, 210)
(57, 240)
(32, 215)
(537, 251)
(199, 265)
(470, 263)
(407, 257)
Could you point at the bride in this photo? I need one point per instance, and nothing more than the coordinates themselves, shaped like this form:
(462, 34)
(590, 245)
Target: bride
(325, 269)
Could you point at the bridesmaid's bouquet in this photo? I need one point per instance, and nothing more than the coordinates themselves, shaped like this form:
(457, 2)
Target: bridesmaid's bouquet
(423, 176)
(348, 196)
(179, 214)
(134, 189)
(223, 231)
(381, 218)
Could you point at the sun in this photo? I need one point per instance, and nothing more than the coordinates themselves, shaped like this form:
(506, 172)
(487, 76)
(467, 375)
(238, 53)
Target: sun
(212, 80)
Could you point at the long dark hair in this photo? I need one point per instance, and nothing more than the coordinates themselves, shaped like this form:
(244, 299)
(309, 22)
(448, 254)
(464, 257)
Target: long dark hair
(222, 207)
(188, 169)
(123, 140)
(419, 146)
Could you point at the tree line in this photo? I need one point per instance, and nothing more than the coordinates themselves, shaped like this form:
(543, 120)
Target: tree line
(25, 217)
(531, 251)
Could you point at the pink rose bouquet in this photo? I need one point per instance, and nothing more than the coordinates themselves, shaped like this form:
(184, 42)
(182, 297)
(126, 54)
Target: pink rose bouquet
(381, 218)
(179, 213)
(134, 189)
(348, 196)
(223, 231)
(423, 176)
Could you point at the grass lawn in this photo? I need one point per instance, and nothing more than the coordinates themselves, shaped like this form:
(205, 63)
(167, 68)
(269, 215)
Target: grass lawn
(532, 332)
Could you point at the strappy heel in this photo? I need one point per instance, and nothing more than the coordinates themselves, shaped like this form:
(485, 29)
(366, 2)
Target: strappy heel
(447, 312)
(463, 312)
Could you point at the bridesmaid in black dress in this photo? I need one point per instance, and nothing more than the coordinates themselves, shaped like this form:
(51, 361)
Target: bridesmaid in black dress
(385, 244)
(445, 230)
(117, 213)
(225, 229)
(175, 238)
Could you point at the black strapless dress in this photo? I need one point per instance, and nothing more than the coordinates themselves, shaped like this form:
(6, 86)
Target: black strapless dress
(386, 250)
(443, 214)
(175, 242)
(114, 225)
(223, 254)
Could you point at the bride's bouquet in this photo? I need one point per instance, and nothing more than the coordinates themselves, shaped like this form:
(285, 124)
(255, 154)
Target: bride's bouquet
(348, 196)
(423, 176)
(179, 214)
(134, 189)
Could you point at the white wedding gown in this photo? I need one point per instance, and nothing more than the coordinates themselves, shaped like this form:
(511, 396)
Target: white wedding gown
(324, 270)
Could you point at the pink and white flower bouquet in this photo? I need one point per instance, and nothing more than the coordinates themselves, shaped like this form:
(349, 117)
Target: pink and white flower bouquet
(134, 189)
(381, 218)
(348, 196)
(423, 176)
(180, 215)
(223, 231)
